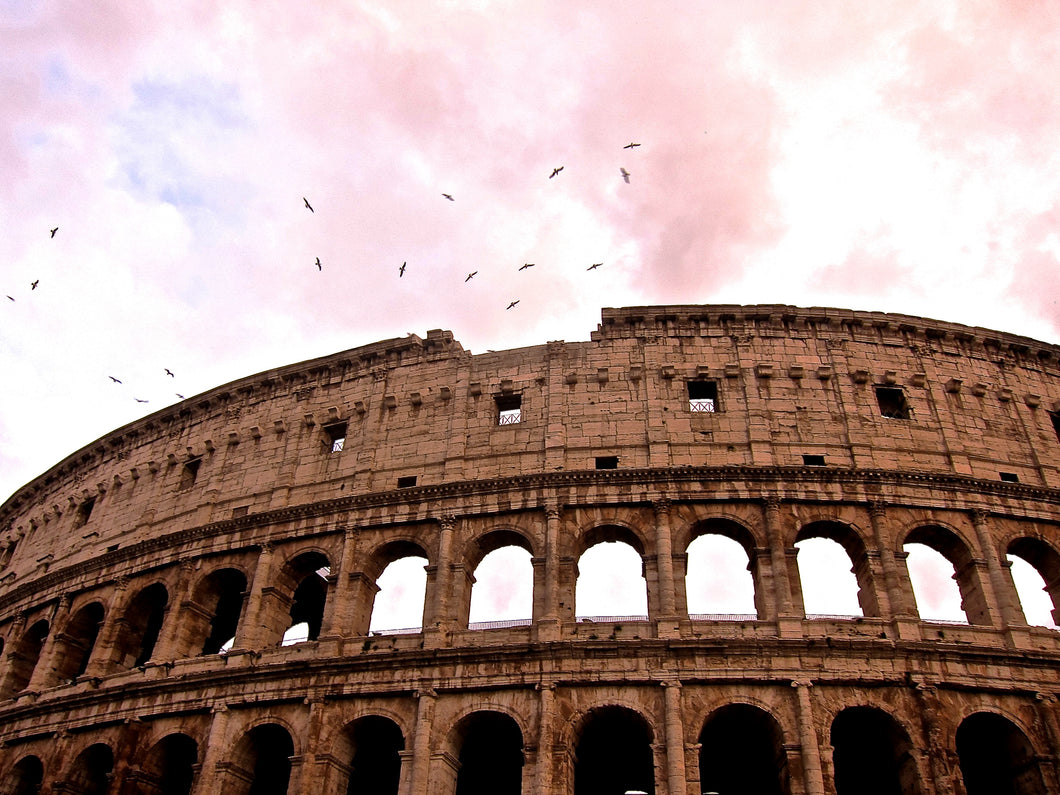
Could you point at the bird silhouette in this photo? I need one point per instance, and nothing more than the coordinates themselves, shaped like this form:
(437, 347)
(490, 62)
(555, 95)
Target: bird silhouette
(9, 298)
(115, 380)
(319, 266)
(401, 270)
(630, 145)
(179, 395)
(169, 372)
(527, 265)
(450, 198)
(33, 284)
(54, 231)
(138, 400)
(307, 204)
(625, 175)
(555, 171)
(513, 303)
(594, 266)
(469, 276)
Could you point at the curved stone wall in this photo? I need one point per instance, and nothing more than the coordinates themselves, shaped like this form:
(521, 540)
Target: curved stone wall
(149, 580)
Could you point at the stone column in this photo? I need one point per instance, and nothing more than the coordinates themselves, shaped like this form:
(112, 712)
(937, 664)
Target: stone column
(168, 645)
(811, 752)
(438, 620)
(1046, 709)
(789, 619)
(666, 621)
(1003, 599)
(548, 625)
(312, 779)
(102, 658)
(339, 608)
(545, 739)
(677, 783)
(940, 773)
(43, 672)
(250, 633)
(421, 743)
(897, 588)
(207, 783)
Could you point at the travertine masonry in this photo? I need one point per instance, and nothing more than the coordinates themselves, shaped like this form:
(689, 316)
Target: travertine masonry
(147, 581)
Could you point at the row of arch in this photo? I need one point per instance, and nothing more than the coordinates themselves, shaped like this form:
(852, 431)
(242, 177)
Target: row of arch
(741, 749)
(265, 599)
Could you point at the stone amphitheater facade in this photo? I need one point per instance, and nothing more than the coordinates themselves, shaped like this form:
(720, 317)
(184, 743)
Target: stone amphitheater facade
(147, 580)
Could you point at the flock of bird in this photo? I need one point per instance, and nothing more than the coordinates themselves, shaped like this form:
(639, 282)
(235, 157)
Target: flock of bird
(555, 172)
(401, 269)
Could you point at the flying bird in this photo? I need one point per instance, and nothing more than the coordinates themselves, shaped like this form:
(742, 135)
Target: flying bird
(513, 303)
(469, 276)
(179, 395)
(450, 198)
(54, 231)
(625, 175)
(33, 284)
(10, 298)
(138, 400)
(401, 270)
(555, 171)
(115, 380)
(169, 372)
(527, 265)
(308, 205)
(319, 266)
(630, 145)
(594, 266)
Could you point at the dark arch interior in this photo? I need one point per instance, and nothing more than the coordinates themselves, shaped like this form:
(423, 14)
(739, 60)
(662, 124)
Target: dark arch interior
(169, 767)
(268, 759)
(614, 754)
(871, 754)
(491, 755)
(742, 753)
(26, 777)
(310, 594)
(376, 762)
(996, 757)
(79, 638)
(143, 622)
(90, 774)
(226, 589)
(25, 658)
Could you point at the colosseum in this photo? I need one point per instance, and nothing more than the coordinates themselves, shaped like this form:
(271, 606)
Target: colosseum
(150, 582)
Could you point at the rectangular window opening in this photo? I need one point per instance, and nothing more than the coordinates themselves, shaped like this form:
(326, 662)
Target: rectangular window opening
(190, 472)
(607, 462)
(509, 409)
(336, 433)
(1009, 477)
(1055, 417)
(407, 482)
(84, 512)
(813, 460)
(892, 402)
(703, 396)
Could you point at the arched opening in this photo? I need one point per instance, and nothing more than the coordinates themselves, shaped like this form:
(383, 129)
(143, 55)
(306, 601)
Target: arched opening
(611, 582)
(141, 625)
(996, 757)
(490, 749)
(613, 754)
(76, 641)
(25, 777)
(402, 591)
(261, 763)
(834, 574)
(719, 582)
(169, 767)
(872, 754)
(742, 751)
(933, 580)
(308, 573)
(90, 772)
(1036, 575)
(374, 754)
(503, 588)
(219, 599)
(24, 658)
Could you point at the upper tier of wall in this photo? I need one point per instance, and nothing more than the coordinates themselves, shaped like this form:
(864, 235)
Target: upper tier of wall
(790, 383)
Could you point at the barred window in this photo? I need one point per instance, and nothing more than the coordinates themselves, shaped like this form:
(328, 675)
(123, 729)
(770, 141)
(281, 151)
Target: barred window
(509, 409)
(703, 396)
(336, 433)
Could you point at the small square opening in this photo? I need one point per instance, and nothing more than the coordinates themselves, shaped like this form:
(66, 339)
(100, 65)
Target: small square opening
(509, 409)
(1009, 477)
(84, 512)
(406, 482)
(813, 460)
(607, 462)
(189, 473)
(1055, 417)
(703, 396)
(336, 434)
(892, 402)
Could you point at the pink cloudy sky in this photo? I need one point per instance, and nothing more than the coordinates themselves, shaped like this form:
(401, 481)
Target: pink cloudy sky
(893, 156)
